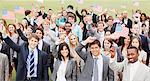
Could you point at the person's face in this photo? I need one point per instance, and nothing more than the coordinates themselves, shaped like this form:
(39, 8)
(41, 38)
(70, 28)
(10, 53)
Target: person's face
(50, 12)
(107, 44)
(81, 25)
(46, 25)
(39, 34)
(132, 55)
(83, 13)
(142, 17)
(107, 33)
(71, 20)
(61, 30)
(64, 13)
(125, 15)
(68, 27)
(127, 40)
(64, 51)
(33, 43)
(100, 27)
(11, 28)
(73, 40)
(135, 29)
(95, 49)
(110, 22)
(120, 17)
(135, 43)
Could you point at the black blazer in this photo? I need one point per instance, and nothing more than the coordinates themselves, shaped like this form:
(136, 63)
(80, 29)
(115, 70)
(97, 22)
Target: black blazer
(23, 51)
(129, 24)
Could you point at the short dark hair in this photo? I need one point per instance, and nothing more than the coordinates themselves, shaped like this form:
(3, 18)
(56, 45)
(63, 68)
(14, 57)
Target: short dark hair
(70, 6)
(95, 42)
(27, 12)
(33, 35)
(133, 47)
(60, 56)
(40, 30)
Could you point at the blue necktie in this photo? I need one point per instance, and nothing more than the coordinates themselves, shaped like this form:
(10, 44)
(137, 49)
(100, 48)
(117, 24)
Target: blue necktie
(95, 70)
(32, 64)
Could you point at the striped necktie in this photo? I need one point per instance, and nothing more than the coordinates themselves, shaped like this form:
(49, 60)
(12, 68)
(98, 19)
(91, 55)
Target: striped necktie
(32, 66)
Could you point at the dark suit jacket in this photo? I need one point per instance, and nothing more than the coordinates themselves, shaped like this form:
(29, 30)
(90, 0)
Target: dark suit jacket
(86, 74)
(71, 70)
(45, 48)
(23, 51)
(129, 24)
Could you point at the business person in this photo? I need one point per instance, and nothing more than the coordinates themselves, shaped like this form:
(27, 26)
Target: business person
(42, 45)
(65, 68)
(96, 66)
(133, 69)
(32, 63)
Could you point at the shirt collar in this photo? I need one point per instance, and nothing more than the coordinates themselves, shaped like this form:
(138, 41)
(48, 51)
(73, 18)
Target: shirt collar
(32, 50)
(98, 57)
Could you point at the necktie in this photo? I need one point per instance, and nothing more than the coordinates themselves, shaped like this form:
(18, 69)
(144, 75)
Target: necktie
(95, 70)
(32, 64)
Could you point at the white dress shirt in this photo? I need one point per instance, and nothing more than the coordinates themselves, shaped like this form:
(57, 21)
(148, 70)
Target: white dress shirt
(40, 45)
(126, 21)
(100, 67)
(35, 62)
(62, 71)
(133, 69)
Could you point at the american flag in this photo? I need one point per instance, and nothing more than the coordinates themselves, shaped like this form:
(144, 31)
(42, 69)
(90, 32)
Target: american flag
(39, 20)
(8, 15)
(19, 9)
(80, 1)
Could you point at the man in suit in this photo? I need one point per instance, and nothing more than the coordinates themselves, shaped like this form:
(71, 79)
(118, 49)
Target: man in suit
(127, 21)
(133, 70)
(96, 66)
(41, 45)
(32, 63)
(4, 67)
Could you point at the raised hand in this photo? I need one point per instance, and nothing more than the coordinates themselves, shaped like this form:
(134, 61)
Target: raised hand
(90, 39)
(112, 52)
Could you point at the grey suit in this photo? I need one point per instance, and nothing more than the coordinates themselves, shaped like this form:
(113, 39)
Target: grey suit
(87, 72)
(71, 71)
(4, 67)
(142, 73)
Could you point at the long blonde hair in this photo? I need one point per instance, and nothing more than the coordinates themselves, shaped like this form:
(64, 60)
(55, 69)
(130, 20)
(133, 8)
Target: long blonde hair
(70, 44)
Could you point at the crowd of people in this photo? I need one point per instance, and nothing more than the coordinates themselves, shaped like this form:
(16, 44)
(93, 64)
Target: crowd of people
(76, 46)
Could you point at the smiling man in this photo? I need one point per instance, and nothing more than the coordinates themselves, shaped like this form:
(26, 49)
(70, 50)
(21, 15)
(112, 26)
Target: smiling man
(32, 63)
(96, 66)
(133, 70)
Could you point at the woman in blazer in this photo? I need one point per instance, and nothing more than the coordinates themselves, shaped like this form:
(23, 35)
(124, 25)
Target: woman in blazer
(64, 66)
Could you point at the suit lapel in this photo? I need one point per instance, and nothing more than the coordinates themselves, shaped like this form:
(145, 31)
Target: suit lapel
(26, 53)
(43, 46)
(68, 66)
(39, 62)
(104, 65)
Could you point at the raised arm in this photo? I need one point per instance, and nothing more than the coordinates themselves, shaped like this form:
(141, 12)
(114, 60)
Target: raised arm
(81, 45)
(23, 37)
